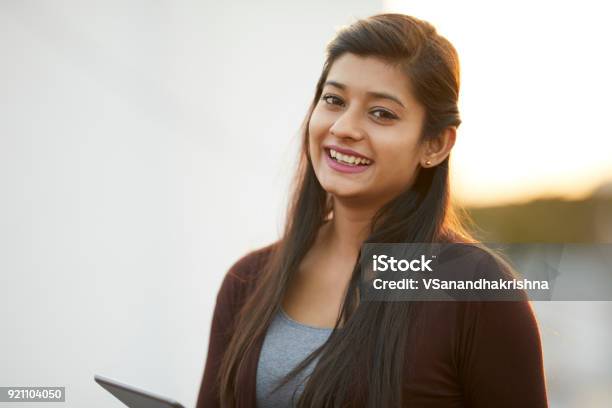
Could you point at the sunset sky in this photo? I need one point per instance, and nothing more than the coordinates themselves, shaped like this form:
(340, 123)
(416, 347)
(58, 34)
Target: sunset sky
(535, 96)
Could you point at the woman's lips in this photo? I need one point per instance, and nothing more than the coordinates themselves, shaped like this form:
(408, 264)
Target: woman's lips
(344, 168)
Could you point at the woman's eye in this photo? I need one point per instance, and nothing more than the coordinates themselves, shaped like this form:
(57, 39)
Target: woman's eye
(332, 100)
(380, 114)
(383, 114)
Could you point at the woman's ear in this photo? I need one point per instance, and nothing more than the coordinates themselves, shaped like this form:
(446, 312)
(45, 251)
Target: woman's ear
(437, 149)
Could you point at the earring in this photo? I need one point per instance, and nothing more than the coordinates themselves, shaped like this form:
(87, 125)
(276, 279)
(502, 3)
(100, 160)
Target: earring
(428, 163)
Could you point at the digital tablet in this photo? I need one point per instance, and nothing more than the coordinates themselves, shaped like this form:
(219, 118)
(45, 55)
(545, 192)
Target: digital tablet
(133, 397)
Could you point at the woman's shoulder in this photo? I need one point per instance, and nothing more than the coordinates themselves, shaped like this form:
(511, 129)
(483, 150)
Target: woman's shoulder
(477, 260)
(244, 272)
(249, 265)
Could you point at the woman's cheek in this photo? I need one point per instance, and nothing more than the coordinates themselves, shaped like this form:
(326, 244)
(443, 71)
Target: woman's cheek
(316, 127)
(391, 166)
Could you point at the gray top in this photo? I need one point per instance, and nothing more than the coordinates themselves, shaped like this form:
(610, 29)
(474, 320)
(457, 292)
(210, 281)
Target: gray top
(286, 344)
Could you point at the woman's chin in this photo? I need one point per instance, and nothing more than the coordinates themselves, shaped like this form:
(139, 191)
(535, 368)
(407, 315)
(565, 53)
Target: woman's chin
(345, 193)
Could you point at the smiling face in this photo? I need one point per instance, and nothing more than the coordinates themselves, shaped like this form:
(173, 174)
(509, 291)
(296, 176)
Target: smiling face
(366, 111)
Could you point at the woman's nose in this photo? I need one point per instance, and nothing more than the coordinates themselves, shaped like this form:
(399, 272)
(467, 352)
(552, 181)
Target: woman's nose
(348, 125)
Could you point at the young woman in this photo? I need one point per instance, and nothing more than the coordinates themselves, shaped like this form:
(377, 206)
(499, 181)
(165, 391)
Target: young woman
(289, 328)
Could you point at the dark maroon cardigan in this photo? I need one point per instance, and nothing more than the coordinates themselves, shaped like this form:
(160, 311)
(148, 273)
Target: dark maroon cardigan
(473, 354)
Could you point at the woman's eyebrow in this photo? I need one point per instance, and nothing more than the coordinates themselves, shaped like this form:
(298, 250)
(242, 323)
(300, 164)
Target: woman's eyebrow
(379, 95)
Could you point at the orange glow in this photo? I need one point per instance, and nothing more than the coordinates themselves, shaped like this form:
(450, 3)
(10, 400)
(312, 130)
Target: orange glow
(535, 98)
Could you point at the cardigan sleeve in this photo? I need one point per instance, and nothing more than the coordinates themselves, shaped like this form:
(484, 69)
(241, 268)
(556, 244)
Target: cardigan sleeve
(230, 298)
(220, 335)
(502, 364)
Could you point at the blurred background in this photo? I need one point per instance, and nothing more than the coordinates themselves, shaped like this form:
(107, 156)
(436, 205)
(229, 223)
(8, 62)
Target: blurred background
(146, 146)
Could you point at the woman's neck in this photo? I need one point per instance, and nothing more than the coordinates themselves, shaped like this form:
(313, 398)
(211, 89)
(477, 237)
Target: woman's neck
(348, 228)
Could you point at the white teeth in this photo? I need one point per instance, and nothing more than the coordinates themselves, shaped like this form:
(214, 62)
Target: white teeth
(348, 159)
